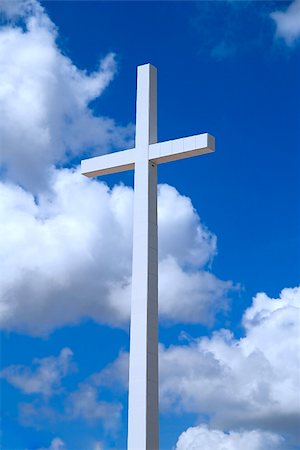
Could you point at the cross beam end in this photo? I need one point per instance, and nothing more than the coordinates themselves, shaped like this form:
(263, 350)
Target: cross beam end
(199, 144)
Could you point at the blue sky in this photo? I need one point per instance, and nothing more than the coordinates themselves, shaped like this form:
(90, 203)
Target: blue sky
(228, 222)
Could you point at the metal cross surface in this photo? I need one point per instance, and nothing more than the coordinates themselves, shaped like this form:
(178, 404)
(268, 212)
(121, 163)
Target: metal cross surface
(143, 411)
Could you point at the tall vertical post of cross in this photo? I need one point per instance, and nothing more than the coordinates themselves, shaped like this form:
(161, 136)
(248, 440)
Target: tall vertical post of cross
(143, 430)
(143, 360)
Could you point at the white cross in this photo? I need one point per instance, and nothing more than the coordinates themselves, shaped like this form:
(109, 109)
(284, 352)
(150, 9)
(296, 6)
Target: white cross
(143, 429)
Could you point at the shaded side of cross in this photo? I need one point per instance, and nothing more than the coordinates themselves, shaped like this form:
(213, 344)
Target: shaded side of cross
(143, 411)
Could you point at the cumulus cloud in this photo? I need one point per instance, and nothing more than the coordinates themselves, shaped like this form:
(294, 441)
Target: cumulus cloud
(67, 255)
(288, 22)
(66, 250)
(45, 379)
(188, 243)
(206, 439)
(44, 100)
(251, 383)
(188, 296)
(188, 292)
(72, 249)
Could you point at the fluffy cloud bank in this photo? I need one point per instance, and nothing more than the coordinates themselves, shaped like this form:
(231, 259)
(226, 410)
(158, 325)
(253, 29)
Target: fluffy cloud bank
(66, 250)
(251, 383)
(205, 439)
(249, 386)
(44, 100)
(67, 255)
(288, 22)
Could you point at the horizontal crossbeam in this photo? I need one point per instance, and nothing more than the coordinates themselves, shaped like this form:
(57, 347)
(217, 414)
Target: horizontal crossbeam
(158, 153)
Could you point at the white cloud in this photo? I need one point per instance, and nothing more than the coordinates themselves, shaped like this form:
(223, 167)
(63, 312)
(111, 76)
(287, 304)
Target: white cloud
(248, 385)
(98, 446)
(203, 438)
(66, 250)
(56, 444)
(188, 296)
(188, 242)
(288, 22)
(13, 9)
(67, 255)
(114, 375)
(84, 404)
(45, 379)
(188, 292)
(44, 100)
(251, 383)
(63, 256)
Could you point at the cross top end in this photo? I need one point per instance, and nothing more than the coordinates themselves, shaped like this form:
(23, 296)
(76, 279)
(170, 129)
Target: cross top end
(147, 65)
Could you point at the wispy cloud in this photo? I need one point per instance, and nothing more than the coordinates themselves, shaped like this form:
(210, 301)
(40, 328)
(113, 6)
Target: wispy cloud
(84, 403)
(46, 376)
(43, 381)
(56, 444)
(227, 28)
(288, 23)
